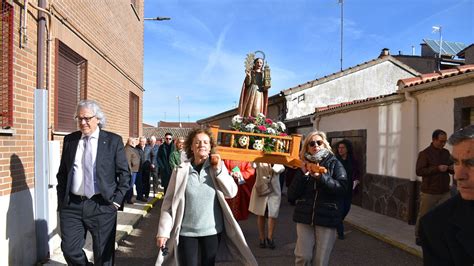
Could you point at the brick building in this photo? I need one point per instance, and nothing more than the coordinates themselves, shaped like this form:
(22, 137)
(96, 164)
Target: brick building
(86, 50)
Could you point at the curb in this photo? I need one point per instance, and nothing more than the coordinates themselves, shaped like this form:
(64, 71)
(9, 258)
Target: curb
(128, 229)
(387, 239)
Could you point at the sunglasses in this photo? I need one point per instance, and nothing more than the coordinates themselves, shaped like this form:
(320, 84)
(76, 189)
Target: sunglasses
(168, 138)
(313, 143)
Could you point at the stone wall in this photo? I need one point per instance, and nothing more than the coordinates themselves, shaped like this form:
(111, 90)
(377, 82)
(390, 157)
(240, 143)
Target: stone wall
(387, 195)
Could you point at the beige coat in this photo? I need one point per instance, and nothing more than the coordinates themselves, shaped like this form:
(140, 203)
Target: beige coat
(258, 204)
(232, 247)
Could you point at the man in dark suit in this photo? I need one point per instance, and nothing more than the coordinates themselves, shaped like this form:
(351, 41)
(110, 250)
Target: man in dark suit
(447, 232)
(93, 179)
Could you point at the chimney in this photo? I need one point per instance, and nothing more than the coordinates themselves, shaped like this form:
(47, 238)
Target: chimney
(384, 52)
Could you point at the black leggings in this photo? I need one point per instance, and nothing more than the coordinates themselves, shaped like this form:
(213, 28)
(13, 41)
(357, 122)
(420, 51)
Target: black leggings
(189, 248)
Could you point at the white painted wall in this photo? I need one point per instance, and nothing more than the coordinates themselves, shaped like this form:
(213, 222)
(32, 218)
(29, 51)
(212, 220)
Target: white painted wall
(390, 128)
(380, 79)
(386, 152)
(436, 110)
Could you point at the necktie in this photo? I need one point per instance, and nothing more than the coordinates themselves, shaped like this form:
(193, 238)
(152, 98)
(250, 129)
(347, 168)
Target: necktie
(88, 168)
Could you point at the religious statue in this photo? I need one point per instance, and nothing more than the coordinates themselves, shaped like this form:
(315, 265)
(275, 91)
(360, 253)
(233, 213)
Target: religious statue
(254, 94)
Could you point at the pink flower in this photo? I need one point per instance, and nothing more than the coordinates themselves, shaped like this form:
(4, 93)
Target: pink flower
(268, 121)
(283, 134)
(262, 128)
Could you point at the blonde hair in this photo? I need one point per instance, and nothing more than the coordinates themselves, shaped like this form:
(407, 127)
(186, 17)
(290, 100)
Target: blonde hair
(308, 139)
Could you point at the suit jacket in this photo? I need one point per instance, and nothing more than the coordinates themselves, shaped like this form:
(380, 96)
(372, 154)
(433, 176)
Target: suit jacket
(447, 233)
(112, 172)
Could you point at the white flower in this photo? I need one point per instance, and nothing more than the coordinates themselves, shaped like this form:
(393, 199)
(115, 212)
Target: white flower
(243, 141)
(258, 145)
(236, 119)
(250, 127)
(281, 125)
(271, 131)
(260, 115)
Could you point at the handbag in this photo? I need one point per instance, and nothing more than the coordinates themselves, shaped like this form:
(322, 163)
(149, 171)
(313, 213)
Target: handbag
(265, 187)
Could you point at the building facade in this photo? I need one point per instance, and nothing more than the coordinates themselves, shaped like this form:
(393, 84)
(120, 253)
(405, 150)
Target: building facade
(71, 50)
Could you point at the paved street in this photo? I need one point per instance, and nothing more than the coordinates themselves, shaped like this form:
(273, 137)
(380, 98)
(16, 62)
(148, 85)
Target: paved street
(357, 249)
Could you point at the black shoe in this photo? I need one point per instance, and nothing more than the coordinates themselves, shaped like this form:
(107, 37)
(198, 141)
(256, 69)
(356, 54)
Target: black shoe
(262, 244)
(130, 201)
(142, 199)
(340, 236)
(271, 243)
(418, 241)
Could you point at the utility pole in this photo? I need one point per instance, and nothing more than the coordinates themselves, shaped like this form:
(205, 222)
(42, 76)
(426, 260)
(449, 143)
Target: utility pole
(342, 29)
(179, 111)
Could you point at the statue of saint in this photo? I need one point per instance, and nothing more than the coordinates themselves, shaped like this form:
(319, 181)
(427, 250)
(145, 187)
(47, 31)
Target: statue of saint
(254, 94)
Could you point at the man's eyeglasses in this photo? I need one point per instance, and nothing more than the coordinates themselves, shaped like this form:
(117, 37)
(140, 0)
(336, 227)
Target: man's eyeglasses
(313, 143)
(168, 138)
(85, 118)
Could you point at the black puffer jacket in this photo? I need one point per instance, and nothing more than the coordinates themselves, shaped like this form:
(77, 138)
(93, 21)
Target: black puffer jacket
(317, 202)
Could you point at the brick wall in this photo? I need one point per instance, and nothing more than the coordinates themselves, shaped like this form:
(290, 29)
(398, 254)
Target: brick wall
(109, 35)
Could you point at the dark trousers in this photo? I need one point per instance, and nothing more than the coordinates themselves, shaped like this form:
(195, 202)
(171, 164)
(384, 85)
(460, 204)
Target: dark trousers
(129, 194)
(154, 178)
(139, 186)
(146, 179)
(189, 248)
(345, 207)
(94, 215)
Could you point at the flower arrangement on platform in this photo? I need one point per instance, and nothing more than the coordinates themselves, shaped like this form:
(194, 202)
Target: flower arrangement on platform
(259, 124)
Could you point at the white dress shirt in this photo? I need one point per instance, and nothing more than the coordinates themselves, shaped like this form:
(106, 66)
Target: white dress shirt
(77, 187)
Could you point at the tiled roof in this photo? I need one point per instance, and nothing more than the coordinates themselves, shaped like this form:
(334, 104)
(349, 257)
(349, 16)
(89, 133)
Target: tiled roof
(159, 132)
(425, 78)
(176, 124)
(345, 104)
(146, 125)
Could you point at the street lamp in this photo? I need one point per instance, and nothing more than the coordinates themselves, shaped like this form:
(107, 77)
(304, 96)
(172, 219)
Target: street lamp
(179, 110)
(158, 18)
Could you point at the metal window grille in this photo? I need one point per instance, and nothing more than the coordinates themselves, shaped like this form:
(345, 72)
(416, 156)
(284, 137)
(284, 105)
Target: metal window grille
(6, 66)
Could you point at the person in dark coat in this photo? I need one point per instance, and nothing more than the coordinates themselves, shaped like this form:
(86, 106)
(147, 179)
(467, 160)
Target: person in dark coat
(317, 198)
(447, 232)
(164, 153)
(345, 155)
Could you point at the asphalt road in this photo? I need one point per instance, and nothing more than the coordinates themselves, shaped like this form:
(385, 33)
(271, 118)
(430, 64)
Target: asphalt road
(357, 249)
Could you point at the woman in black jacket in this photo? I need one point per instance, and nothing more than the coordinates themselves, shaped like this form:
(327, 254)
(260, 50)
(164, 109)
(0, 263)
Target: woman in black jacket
(316, 197)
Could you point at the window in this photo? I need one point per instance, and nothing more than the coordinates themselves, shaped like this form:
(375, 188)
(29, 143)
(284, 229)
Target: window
(463, 112)
(6, 66)
(70, 86)
(133, 112)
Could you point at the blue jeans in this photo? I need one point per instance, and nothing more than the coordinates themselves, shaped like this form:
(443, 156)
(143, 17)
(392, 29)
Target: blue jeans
(129, 194)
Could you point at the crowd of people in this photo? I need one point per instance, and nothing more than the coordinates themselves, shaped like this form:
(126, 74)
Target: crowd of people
(205, 196)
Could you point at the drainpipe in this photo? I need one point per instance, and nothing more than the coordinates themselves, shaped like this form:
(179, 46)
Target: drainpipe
(41, 144)
(413, 192)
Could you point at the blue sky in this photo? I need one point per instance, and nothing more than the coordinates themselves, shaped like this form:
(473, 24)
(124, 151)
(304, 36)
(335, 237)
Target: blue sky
(199, 54)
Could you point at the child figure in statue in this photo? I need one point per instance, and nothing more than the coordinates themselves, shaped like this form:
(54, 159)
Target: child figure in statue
(254, 95)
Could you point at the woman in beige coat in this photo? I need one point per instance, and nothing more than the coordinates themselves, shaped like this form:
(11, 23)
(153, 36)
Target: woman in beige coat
(195, 220)
(266, 205)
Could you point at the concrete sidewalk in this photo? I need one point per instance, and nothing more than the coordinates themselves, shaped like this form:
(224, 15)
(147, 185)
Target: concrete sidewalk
(126, 222)
(393, 231)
